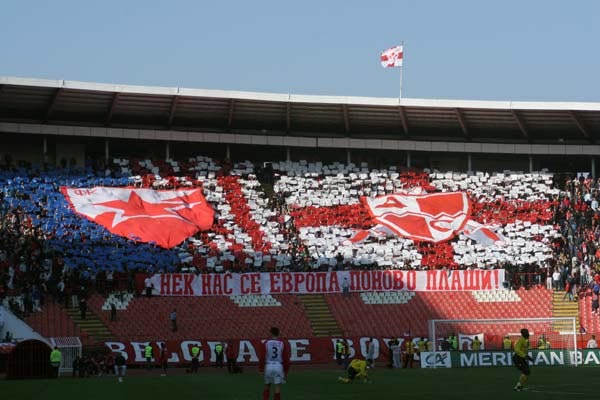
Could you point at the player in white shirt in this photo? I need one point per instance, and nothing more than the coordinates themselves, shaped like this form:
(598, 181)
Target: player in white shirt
(592, 344)
(275, 362)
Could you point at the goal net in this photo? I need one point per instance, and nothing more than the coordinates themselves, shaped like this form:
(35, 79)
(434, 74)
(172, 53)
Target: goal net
(70, 347)
(490, 342)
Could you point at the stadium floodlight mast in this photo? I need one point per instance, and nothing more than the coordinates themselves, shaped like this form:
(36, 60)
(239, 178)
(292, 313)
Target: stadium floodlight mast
(556, 333)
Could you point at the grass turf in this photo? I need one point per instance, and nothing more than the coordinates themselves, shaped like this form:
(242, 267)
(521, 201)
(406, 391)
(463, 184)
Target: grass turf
(471, 383)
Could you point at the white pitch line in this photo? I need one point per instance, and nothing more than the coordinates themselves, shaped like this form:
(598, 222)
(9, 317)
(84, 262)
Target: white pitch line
(551, 392)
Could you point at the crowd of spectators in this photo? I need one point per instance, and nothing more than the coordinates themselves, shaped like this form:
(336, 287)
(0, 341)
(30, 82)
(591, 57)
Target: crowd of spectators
(94, 364)
(577, 253)
(47, 253)
(32, 269)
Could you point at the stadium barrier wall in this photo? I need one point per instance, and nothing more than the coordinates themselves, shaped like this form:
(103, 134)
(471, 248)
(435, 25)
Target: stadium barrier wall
(322, 351)
(307, 350)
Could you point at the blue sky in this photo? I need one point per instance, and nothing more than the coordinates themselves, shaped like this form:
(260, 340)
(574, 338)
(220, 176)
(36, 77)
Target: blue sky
(502, 50)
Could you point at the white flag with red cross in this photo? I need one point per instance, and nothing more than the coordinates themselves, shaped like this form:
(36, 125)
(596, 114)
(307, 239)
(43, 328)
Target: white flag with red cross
(392, 57)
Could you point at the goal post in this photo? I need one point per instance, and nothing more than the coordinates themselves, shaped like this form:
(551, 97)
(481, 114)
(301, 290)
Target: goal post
(485, 342)
(70, 348)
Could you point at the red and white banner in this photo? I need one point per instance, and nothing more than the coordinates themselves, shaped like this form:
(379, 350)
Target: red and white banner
(322, 282)
(301, 350)
(246, 351)
(164, 217)
(433, 217)
(392, 57)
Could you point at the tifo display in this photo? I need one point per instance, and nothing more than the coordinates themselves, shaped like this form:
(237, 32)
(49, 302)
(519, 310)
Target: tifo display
(338, 251)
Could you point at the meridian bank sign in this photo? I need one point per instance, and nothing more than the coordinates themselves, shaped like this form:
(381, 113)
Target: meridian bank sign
(540, 358)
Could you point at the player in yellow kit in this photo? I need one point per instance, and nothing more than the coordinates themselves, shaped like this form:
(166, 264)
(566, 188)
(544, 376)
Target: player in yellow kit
(521, 357)
(476, 344)
(357, 369)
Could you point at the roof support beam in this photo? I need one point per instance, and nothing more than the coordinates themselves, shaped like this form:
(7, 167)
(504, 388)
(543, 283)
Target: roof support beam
(288, 117)
(463, 123)
(346, 118)
(403, 119)
(51, 104)
(172, 110)
(111, 110)
(520, 123)
(230, 116)
(580, 125)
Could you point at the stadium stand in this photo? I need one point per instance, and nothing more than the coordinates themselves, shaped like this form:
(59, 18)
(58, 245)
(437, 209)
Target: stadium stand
(305, 223)
(248, 232)
(590, 320)
(391, 315)
(522, 209)
(54, 322)
(205, 317)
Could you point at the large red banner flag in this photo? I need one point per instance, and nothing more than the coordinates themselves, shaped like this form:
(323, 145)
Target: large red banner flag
(432, 217)
(392, 57)
(164, 217)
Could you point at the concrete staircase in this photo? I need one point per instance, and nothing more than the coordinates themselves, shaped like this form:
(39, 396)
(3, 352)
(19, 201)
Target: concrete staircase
(564, 308)
(92, 325)
(322, 322)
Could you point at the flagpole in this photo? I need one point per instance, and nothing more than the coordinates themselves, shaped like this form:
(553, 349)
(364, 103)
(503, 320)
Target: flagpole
(401, 70)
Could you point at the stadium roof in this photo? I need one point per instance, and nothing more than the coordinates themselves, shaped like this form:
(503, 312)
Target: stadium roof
(108, 105)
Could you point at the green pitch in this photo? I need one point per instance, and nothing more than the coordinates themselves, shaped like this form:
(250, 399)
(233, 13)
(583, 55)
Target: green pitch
(476, 384)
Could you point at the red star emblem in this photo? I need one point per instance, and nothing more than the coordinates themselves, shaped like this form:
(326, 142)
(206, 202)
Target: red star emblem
(136, 207)
(162, 217)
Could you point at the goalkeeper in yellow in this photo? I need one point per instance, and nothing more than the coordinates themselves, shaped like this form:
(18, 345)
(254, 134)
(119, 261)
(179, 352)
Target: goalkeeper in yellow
(356, 369)
(521, 358)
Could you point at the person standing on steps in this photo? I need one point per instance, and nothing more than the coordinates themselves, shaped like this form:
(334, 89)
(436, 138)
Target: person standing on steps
(83, 307)
(113, 312)
(173, 318)
(345, 287)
